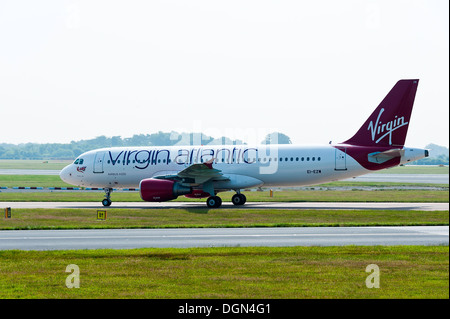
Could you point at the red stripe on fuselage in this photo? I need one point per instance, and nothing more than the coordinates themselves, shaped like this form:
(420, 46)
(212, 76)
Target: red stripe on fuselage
(361, 153)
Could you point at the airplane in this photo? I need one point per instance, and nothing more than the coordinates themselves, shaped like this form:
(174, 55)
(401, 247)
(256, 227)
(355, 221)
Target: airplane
(165, 173)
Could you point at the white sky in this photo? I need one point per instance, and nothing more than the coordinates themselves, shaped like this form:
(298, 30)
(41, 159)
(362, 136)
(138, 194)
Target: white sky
(314, 70)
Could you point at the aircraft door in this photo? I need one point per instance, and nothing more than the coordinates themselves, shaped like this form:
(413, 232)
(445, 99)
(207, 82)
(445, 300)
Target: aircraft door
(98, 162)
(340, 160)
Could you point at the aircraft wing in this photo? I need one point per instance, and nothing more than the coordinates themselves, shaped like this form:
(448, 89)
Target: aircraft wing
(381, 157)
(196, 174)
(200, 173)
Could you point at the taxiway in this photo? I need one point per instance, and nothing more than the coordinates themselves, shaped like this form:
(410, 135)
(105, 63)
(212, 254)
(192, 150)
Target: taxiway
(221, 237)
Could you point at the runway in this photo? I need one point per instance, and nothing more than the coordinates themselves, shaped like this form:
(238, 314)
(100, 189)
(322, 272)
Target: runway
(227, 205)
(402, 178)
(221, 237)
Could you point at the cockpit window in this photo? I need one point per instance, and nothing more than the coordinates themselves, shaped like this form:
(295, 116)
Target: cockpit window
(78, 161)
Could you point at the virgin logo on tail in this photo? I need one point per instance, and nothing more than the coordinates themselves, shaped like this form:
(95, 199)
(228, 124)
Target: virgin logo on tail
(385, 129)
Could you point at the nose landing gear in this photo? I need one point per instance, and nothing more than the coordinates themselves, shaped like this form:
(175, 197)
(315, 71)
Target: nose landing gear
(107, 201)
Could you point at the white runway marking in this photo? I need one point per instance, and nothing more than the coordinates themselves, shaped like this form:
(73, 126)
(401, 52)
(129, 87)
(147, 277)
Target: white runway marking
(222, 237)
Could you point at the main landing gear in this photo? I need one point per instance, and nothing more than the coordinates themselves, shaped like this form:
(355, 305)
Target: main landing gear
(238, 199)
(107, 201)
(215, 201)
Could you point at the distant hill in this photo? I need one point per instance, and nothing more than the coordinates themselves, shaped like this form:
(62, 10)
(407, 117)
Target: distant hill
(438, 156)
(75, 148)
(436, 150)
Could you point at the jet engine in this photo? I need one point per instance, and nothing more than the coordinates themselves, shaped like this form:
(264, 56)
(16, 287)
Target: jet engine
(161, 190)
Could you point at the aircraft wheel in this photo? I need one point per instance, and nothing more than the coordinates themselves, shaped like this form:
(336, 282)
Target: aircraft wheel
(239, 199)
(106, 202)
(214, 202)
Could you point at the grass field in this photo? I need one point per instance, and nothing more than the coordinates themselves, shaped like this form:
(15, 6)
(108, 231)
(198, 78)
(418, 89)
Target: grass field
(60, 164)
(405, 196)
(223, 273)
(164, 218)
(32, 180)
(231, 272)
(54, 181)
(34, 164)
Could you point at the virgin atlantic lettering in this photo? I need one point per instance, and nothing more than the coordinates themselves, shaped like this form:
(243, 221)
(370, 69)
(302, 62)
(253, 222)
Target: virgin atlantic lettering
(141, 159)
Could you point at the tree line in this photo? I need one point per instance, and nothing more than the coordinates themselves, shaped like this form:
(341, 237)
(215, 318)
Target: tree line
(75, 148)
(439, 155)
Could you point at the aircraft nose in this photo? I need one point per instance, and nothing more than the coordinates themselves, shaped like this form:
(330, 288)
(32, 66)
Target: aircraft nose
(66, 174)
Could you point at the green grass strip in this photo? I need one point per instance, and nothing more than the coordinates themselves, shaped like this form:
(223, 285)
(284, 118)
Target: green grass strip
(406, 196)
(223, 273)
(202, 217)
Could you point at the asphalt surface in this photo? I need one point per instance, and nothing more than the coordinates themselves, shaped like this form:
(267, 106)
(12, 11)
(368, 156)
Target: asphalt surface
(229, 205)
(14, 171)
(403, 178)
(221, 237)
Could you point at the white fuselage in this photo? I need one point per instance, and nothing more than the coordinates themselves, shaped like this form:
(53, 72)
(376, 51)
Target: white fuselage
(243, 165)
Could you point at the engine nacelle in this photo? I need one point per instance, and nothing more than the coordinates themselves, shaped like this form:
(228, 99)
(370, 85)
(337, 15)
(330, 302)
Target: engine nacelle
(161, 190)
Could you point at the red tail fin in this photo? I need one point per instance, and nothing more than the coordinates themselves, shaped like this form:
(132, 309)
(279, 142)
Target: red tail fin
(388, 124)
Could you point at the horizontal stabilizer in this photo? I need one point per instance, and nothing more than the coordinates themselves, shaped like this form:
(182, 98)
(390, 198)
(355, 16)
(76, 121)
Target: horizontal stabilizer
(381, 157)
